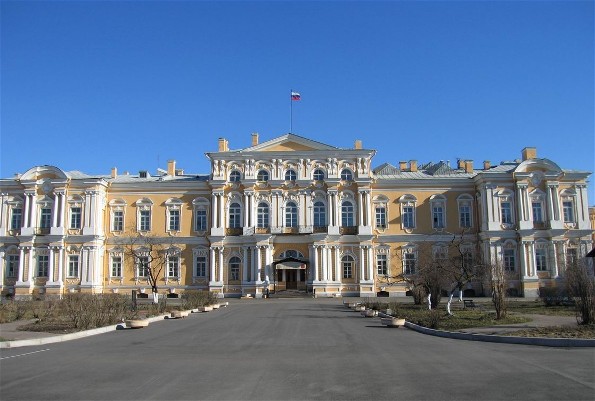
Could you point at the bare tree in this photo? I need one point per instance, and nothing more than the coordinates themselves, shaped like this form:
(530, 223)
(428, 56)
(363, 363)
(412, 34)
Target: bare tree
(497, 276)
(580, 284)
(149, 256)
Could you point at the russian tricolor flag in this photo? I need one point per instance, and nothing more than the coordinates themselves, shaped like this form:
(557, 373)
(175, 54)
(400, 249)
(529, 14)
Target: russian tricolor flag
(295, 96)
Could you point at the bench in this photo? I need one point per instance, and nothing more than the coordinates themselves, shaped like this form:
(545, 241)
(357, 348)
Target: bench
(468, 303)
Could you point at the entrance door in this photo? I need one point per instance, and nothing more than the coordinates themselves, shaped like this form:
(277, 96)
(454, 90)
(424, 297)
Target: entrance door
(291, 277)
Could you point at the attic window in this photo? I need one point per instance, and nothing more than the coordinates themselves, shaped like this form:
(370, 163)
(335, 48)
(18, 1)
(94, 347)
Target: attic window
(142, 174)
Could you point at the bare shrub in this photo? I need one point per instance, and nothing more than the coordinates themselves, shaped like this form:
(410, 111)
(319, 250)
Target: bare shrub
(580, 284)
(192, 299)
(87, 311)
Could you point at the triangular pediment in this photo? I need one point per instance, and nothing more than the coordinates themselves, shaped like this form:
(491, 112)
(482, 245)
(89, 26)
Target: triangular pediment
(289, 143)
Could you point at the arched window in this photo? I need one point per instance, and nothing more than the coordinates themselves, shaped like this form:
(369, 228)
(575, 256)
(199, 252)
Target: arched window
(235, 176)
(347, 218)
(290, 175)
(291, 215)
(346, 175)
(235, 215)
(318, 175)
(319, 214)
(262, 175)
(347, 262)
(234, 268)
(438, 205)
(291, 253)
(262, 215)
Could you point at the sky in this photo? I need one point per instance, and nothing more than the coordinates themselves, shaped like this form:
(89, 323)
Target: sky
(91, 85)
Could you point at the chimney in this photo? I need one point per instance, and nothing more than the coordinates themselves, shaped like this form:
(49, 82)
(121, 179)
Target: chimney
(529, 153)
(223, 145)
(487, 165)
(413, 166)
(254, 138)
(114, 172)
(180, 171)
(460, 163)
(171, 167)
(468, 166)
(402, 166)
(358, 144)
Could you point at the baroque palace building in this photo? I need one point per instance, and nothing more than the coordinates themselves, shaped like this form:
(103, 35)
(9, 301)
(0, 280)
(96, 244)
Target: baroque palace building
(289, 213)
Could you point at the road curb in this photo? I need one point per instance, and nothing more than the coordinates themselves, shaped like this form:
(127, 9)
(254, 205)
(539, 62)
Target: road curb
(542, 341)
(71, 336)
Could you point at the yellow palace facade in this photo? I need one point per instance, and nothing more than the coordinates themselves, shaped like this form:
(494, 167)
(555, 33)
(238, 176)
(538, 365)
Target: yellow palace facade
(290, 213)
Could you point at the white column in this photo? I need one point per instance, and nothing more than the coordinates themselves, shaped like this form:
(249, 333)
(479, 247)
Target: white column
(21, 264)
(27, 210)
(61, 221)
(220, 274)
(212, 261)
(60, 264)
(258, 265)
(214, 211)
(245, 264)
(369, 208)
(315, 262)
(51, 265)
(362, 267)
(338, 274)
(329, 202)
(2, 266)
(554, 251)
(3, 215)
(222, 223)
(525, 268)
(360, 206)
(246, 210)
(31, 266)
(56, 210)
(370, 263)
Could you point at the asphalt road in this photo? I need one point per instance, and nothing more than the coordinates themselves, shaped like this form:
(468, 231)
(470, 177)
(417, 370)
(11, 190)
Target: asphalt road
(290, 350)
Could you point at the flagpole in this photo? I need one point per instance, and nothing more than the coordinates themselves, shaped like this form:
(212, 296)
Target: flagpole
(290, 111)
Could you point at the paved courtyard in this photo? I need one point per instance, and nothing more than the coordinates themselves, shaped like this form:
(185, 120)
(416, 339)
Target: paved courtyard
(279, 349)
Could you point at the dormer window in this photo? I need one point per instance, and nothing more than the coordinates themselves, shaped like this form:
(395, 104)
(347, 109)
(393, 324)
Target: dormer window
(235, 176)
(262, 176)
(346, 175)
(290, 175)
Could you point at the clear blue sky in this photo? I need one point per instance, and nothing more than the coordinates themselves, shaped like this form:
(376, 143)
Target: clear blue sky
(90, 85)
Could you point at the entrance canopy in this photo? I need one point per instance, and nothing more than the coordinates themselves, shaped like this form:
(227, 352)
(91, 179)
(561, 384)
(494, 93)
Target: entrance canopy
(291, 264)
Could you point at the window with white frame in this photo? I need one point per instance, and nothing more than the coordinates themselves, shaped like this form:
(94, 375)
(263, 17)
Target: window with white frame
(319, 214)
(143, 264)
(465, 203)
(117, 208)
(348, 264)
(347, 214)
(45, 220)
(201, 207)
(173, 266)
(438, 206)
(234, 268)
(200, 264)
(262, 176)
(262, 215)
(291, 214)
(76, 215)
(380, 211)
(408, 211)
(144, 207)
(568, 211)
(440, 253)
(12, 265)
(346, 175)
(235, 176)
(382, 264)
(291, 253)
(290, 175)
(43, 263)
(409, 261)
(116, 265)
(16, 217)
(173, 211)
(506, 208)
(509, 258)
(73, 265)
(541, 257)
(318, 175)
(235, 215)
(537, 206)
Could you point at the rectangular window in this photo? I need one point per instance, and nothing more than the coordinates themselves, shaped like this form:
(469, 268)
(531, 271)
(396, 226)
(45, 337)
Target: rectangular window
(145, 220)
(201, 266)
(262, 216)
(116, 266)
(174, 220)
(465, 215)
(173, 266)
(506, 210)
(409, 263)
(16, 218)
(537, 212)
(381, 265)
(509, 260)
(43, 264)
(200, 222)
(380, 217)
(347, 269)
(408, 217)
(541, 259)
(75, 217)
(46, 218)
(437, 216)
(319, 214)
(12, 265)
(571, 257)
(142, 266)
(118, 222)
(568, 210)
(73, 266)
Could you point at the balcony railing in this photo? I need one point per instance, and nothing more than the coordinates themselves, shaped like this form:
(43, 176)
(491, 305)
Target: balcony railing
(234, 231)
(42, 230)
(318, 230)
(348, 230)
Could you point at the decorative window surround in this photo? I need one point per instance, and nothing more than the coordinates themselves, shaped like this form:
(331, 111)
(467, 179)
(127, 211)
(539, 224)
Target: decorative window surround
(173, 215)
(438, 207)
(143, 215)
(408, 208)
(117, 215)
